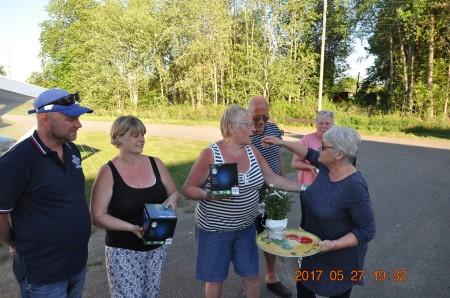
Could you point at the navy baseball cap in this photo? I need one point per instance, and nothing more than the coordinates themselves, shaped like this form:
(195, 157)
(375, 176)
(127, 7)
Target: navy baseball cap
(59, 100)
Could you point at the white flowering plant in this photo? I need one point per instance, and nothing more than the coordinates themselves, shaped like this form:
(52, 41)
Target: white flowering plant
(276, 203)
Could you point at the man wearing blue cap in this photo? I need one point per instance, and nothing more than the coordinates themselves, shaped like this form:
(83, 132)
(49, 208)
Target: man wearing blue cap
(44, 216)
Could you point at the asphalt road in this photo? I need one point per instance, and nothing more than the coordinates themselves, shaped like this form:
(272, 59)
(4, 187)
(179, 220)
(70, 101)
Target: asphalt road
(409, 187)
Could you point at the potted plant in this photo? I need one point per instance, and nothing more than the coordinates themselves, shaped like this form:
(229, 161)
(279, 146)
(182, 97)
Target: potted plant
(276, 205)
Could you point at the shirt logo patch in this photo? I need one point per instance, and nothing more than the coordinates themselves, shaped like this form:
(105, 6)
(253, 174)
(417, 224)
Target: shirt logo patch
(76, 162)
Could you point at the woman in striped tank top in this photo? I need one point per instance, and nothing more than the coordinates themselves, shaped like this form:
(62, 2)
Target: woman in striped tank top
(225, 225)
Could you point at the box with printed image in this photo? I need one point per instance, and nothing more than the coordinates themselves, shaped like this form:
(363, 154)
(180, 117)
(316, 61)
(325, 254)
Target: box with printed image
(224, 179)
(159, 224)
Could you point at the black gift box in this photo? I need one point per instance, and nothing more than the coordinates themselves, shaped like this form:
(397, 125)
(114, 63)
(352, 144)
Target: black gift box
(224, 179)
(159, 224)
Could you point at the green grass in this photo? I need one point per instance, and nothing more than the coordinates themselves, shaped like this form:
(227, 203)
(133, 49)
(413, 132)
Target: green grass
(178, 155)
(365, 120)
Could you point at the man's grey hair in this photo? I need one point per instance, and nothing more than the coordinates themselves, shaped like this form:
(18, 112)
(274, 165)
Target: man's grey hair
(345, 140)
(232, 114)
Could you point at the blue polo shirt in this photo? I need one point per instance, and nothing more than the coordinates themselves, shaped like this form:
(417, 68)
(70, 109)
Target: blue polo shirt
(50, 216)
(271, 153)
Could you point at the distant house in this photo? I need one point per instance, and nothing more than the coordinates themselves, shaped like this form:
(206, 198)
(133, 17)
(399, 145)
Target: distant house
(342, 96)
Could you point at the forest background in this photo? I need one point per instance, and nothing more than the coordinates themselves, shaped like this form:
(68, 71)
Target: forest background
(186, 60)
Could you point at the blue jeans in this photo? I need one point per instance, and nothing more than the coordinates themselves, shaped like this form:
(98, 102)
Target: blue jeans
(71, 287)
(216, 250)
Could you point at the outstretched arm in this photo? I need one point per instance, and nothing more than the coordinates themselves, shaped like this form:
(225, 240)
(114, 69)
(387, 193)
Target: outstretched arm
(297, 148)
(271, 178)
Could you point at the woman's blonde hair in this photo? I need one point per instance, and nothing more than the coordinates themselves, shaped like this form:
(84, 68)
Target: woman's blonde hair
(124, 124)
(232, 114)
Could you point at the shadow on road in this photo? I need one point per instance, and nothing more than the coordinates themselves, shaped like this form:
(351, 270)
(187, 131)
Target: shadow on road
(409, 192)
(443, 133)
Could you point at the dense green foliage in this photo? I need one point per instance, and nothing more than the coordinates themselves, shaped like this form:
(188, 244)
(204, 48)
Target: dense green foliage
(168, 55)
(141, 53)
(411, 42)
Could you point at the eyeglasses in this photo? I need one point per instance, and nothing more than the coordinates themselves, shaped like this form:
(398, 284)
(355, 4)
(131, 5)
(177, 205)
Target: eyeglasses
(64, 101)
(326, 147)
(264, 118)
(246, 124)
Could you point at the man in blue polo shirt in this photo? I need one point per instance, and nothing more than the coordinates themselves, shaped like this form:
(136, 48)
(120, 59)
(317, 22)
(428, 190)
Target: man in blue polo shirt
(44, 216)
(259, 110)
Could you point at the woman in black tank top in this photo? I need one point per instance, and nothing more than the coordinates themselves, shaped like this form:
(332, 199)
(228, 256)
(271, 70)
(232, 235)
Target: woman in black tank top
(122, 187)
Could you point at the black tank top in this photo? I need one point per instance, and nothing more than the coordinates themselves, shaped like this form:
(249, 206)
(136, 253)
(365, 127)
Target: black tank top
(127, 203)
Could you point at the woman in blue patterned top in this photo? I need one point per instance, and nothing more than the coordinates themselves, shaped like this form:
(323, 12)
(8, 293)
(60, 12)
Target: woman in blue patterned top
(225, 225)
(338, 210)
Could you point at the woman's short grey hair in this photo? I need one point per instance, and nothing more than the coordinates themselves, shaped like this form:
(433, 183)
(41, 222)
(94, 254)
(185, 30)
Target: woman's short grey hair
(325, 114)
(232, 114)
(345, 140)
(124, 124)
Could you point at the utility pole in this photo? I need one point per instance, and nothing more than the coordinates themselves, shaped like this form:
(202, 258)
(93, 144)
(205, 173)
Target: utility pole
(322, 53)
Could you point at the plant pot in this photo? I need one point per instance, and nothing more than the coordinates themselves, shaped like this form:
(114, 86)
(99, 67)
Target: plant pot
(276, 228)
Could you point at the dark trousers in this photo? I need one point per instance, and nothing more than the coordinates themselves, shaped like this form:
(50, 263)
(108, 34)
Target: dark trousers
(303, 292)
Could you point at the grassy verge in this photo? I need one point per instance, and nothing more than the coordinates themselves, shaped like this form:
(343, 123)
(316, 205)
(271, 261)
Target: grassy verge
(177, 155)
(365, 120)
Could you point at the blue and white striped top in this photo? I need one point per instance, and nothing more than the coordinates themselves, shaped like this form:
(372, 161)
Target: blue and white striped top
(236, 212)
(272, 153)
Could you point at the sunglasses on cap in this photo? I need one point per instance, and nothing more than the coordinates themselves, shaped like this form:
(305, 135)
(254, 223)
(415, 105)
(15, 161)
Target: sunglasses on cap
(67, 100)
(264, 118)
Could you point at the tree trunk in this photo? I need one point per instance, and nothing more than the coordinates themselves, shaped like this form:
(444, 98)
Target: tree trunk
(404, 64)
(133, 89)
(430, 107)
(191, 94)
(391, 68)
(199, 94)
(161, 87)
(410, 62)
(446, 94)
(215, 84)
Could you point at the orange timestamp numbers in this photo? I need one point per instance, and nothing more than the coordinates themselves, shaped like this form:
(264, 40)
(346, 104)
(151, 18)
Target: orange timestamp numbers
(397, 275)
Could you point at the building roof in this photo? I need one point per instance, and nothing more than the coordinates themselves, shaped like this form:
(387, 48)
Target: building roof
(14, 93)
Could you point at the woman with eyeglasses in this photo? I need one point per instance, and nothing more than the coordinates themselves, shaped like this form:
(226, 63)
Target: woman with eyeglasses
(225, 224)
(307, 172)
(338, 210)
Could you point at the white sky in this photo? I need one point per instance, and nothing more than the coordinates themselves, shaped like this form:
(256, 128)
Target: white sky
(19, 36)
(358, 60)
(20, 46)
